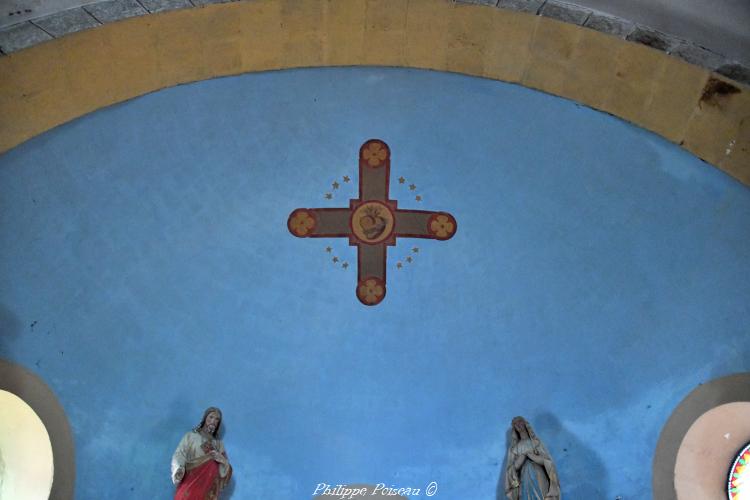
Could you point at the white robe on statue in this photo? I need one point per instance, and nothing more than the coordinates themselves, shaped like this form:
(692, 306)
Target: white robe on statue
(194, 450)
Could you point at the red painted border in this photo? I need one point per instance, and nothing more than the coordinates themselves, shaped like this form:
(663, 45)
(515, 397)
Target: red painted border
(410, 211)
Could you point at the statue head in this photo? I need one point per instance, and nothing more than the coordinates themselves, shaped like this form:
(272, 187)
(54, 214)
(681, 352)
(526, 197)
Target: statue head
(519, 424)
(211, 421)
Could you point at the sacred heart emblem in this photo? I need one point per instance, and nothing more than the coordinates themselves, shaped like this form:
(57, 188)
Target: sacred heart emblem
(208, 446)
(372, 222)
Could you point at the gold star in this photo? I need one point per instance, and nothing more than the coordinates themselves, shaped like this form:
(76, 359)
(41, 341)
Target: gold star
(401, 180)
(412, 187)
(328, 249)
(335, 185)
(418, 198)
(415, 249)
(346, 178)
(409, 259)
(329, 196)
(345, 265)
(335, 259)
(399, 265)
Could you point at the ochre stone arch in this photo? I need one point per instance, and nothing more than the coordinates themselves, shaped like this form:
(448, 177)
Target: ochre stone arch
(57, 81)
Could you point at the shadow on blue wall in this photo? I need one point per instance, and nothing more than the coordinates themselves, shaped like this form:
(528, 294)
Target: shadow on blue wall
(586, 475)
(229, 490)
(589, 479)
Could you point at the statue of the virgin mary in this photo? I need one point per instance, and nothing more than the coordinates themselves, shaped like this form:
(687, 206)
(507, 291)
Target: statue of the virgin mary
(530, 473)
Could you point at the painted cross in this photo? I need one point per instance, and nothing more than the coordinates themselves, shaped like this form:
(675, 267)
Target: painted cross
(372, 222)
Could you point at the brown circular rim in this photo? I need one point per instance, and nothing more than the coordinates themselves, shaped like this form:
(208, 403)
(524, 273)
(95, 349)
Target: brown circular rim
(36, 393)
(730, 389)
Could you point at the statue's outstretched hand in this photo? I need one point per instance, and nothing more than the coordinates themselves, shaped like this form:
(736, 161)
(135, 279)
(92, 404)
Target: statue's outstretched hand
(178, 475)
(218, 457)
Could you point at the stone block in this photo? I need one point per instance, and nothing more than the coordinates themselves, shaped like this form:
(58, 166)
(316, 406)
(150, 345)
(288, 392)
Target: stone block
(492, 3)
(346, 28)
(66, 22)
(675, 90)
(716, 131)
(469, 31)
(565, 12)
(735, 71)
(695, 54)
(114, 10)
(552, 50)
(508, 46)
(21, 36)
(610, 25)
(155, 6)
(530, 6)
(385, 32)
(208, 2)
(654, 39)
(591, 73)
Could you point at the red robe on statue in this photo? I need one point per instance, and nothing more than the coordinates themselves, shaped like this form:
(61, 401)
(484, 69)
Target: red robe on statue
(202, 482)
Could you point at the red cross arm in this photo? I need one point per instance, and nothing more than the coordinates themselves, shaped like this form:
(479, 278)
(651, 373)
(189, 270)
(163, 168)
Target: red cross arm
(371, 261)
(374, 170)
(371, 264)
(319, 222)
(424, 224)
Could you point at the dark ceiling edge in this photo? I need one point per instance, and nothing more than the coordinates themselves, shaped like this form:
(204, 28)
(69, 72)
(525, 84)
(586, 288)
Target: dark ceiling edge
(38, 30)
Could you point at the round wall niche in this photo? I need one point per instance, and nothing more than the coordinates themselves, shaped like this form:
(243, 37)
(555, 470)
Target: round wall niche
(26, 466)
(35, 430)
(701, 439)
(709, 449)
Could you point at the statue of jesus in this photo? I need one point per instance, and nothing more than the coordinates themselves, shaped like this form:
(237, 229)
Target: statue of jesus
(200, 468)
